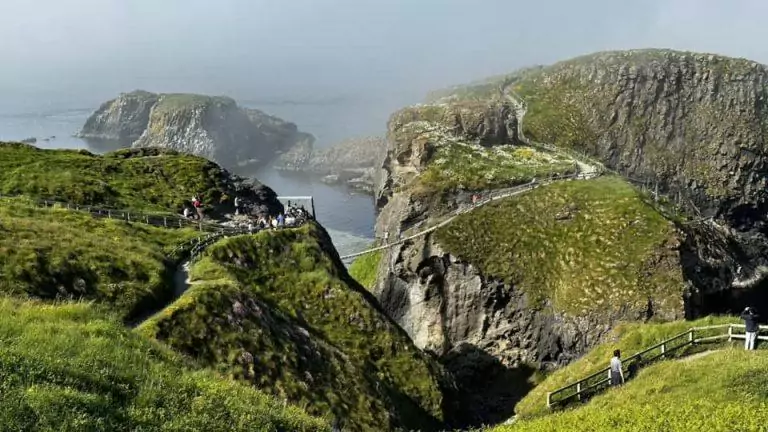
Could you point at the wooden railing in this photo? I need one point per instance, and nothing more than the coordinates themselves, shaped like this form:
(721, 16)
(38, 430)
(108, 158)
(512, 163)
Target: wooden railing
(598, 381)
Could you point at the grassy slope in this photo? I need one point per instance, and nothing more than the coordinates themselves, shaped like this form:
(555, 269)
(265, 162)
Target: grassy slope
(455, 163)
(274, 309)
(608, 248)
(56, 253)
(364, 268)
(71, 368)
(170, 103)
(724, 391)
(630, 338)
(120, 179)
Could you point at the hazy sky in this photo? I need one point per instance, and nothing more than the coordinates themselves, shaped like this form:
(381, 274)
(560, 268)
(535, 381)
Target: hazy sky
(395, 49)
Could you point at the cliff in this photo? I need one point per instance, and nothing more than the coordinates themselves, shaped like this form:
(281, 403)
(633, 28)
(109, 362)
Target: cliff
(278, 310)
(353, 161)
(212, 127)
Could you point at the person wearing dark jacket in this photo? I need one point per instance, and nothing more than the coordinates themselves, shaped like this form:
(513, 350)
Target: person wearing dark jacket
(750, 319)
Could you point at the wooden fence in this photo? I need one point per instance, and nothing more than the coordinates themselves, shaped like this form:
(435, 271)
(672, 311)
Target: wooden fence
(598, 381)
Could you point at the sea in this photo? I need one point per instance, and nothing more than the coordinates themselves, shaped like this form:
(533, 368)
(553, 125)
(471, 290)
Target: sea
(348, 216)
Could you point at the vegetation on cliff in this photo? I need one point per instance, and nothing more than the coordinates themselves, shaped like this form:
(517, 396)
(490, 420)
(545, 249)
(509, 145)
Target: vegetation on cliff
(72, 367)
(690, 121)
(277, 310)
(364, 268)
(582, 246)
(722, 391)
(142, 179)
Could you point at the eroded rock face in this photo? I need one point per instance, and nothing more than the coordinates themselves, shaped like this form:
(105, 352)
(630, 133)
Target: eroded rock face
(694, 123)
(353, 161)
(211, 127)
(122, 119)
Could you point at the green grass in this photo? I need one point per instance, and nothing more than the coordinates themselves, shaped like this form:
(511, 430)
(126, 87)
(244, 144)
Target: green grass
(161, 181)
(364, 268)
(724, 391)
(56, 253)
(630, 338)
(174, 102)
(275, 310)
(473, 167)
(70, 367)
(581, 246)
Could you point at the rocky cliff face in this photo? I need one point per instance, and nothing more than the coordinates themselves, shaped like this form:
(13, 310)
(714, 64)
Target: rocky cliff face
(212, 127)
(516, 282)
(353, 161)
(694, 123)
(122, 119)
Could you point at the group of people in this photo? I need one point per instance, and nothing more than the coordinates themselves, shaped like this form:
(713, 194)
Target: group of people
(616, 373)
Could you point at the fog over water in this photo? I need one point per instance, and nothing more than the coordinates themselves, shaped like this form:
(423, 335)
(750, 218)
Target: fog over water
(337, 68)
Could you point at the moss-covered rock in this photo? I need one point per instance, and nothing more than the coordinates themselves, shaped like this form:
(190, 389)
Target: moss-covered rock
(278, 310)
(581, 247)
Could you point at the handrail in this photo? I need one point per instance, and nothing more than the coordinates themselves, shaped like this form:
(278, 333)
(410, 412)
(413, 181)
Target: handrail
(580, 391)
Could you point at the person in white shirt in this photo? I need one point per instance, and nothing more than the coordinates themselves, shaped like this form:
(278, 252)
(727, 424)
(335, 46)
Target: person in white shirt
(615, 373)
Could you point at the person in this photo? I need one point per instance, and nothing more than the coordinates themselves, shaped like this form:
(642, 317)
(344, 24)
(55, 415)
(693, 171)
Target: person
(280, 220)
(237, 205)
(199, 207)
(615, 373)
(474, 199)
(386, 237)
(186, 212)
(750, 319)
(250, 227)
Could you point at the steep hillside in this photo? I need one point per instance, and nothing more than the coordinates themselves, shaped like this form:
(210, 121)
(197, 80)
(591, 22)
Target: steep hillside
(689, 125)
(138, 179)
(213, 127)
(72, 367)
(722, 391)
(278, 310)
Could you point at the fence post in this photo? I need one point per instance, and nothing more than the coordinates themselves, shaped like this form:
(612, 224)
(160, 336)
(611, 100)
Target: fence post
(730, 333)
(165, 221)
(549, 399)
(690, 336)
(578, 390)
(129, 216)
(109, 214)
(146, 217)
(67, 206)
(663, 349)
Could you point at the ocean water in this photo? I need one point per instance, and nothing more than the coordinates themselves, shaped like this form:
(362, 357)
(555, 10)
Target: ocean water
(348, 216)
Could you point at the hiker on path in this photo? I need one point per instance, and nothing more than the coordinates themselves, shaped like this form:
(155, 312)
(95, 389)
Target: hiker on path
(615, 373)
(750, 319)
(237, 205)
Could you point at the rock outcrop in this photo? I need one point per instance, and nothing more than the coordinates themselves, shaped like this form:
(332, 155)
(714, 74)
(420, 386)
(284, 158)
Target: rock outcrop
(504, 281)
(352, 162)
(122, 120)
(212, 127)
